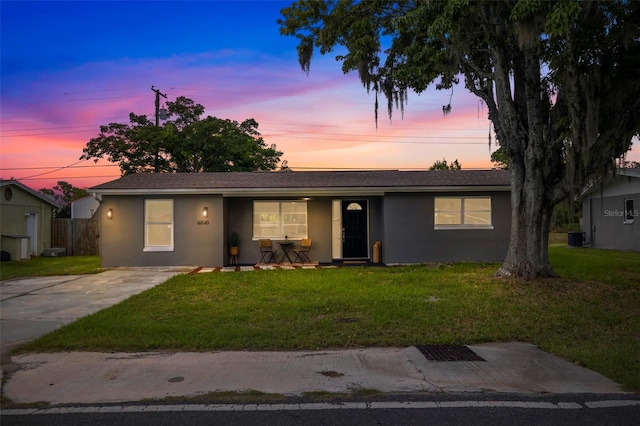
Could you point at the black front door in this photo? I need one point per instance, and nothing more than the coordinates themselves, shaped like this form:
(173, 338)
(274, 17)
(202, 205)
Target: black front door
(354, 229)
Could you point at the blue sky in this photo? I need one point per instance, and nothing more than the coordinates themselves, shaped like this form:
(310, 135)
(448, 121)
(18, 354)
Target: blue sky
(60, 35)
(68, 67)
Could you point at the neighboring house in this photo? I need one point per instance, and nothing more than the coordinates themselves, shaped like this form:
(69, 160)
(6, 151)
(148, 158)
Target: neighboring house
(611, 212)
(25, 220)
(84, 208)
(169, 219)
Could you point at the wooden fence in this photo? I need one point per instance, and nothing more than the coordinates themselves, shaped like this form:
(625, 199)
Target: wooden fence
(81, 237)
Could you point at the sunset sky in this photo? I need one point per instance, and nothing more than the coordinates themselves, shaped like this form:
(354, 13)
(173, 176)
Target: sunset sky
(69, 67)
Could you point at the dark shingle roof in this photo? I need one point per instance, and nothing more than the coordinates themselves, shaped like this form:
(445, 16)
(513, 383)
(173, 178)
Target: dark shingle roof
(326, 180)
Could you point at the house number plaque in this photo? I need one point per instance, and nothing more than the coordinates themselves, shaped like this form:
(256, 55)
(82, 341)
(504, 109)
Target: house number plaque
(203, 222)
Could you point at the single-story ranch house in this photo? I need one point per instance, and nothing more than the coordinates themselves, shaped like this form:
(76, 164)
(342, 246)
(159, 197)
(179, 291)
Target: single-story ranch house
(611, 212)
(170, 219)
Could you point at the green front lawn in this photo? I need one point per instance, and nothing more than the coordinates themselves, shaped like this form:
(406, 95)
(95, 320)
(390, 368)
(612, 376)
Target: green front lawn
(590, 316)
(47, 266)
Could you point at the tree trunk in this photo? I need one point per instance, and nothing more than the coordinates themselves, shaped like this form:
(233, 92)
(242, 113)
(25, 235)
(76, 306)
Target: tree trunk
(522, 114)
(528, 253)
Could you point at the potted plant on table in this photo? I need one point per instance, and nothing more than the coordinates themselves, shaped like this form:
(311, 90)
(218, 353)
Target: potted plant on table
(234, 243)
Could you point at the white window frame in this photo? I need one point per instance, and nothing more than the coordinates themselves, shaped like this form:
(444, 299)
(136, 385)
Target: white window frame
(280, 233)
(147, 222)
(462, 225)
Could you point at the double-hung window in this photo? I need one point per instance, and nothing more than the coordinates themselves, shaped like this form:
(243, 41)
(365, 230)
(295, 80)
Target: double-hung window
(158, 225)
(462, 213)
(279, 219)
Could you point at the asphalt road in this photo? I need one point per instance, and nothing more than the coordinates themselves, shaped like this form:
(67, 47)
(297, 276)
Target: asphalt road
(585, 409)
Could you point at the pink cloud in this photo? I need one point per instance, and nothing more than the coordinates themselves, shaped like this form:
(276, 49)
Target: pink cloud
(325, 119)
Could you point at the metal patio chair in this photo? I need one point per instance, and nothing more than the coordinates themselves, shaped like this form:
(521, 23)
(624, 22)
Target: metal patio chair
(267, 251)
(302, 253)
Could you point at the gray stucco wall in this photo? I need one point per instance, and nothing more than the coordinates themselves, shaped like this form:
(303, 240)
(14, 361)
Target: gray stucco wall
(319, 223)
(410, 237)
(239, 213)
(195, 243)
(402, 222)
(240, 219)
(376, 224)
(604, 222)
(240, 210)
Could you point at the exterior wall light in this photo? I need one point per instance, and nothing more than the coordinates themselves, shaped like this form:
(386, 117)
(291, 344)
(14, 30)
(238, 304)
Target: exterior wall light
(110, 214)
(205, 212)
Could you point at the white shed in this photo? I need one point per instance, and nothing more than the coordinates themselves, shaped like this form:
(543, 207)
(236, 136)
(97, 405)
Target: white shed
(84, 208)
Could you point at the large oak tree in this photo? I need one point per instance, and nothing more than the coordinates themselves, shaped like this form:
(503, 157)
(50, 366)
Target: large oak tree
(560, 79)
(184, 143)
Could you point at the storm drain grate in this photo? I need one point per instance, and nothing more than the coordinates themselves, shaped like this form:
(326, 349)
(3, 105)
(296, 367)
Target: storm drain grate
(448, 353)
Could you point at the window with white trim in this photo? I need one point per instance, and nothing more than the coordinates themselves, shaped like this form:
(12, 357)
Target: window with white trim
(158, 225)
(279, 219)
(462, 213)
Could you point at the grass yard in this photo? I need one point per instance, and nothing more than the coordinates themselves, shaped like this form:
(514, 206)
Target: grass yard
(47, 266)
(558, 238)
(589, 316)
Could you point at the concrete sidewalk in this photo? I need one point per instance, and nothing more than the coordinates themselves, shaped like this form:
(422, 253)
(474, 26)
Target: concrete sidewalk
(90, 378)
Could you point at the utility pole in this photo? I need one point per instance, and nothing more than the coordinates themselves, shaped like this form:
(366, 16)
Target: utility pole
(158, 94)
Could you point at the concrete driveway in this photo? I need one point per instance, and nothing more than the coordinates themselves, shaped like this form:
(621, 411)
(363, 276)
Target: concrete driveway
(32, 307)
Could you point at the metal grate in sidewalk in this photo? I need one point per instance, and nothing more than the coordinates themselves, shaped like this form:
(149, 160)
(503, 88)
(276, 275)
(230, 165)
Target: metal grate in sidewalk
(445, 353)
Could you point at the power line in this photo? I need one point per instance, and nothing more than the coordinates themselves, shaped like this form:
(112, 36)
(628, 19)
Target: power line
(4, 122)
(294, 168)
(47, 128)
(397, 127)
(293, 134)
(335, 139)
(45, 134)
(90, 99)
(59, 167)
(39, 176)
(39, 95)
(67, 177)
(52, 171)
(421, 129)
(56, 133)
(283, 133)
(416, 98)
(401, 141)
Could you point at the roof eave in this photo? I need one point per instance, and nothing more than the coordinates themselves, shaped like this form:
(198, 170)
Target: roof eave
(333, 191)
(33, 192)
